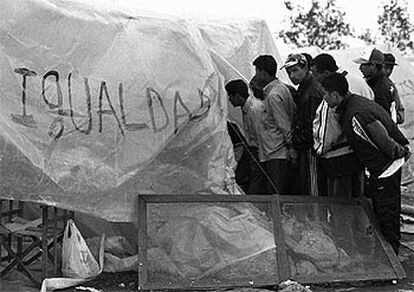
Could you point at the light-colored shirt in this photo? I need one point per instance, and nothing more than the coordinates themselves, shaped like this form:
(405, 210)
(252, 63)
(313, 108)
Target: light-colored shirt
(358, 85)
(277, 123)
(253, 112)
(393, 168)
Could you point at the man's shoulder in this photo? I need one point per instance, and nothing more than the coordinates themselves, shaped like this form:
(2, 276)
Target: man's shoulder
(360, 105)
(384, 84)
(358, 99)
(315, 88)
(252, 104)
(358, 85)
(356, 79)
(279, 88)
(256, 104)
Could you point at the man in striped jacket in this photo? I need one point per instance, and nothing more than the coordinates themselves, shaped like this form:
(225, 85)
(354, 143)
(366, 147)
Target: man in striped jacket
(379, 146)
(337, 162)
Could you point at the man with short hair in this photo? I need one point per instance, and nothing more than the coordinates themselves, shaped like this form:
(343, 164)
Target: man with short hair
(277, 121)
(337, 161)
(379, 146)
(324, 64)
(387, 68)
(252, 113)
(310, 95)
(371, 63)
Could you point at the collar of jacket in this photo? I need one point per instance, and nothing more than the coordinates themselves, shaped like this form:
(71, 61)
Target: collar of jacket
(305, 82)
(341, 108)
(374, 79)
(246, 104)
(269, 86)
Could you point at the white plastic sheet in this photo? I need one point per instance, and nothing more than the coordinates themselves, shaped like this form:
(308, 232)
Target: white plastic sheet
(197, 241)
(98, 105)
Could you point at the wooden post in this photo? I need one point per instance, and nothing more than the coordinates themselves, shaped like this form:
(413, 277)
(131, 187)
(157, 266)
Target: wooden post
(1, 216)
(55, 230)
(44, 240)
(19, 238)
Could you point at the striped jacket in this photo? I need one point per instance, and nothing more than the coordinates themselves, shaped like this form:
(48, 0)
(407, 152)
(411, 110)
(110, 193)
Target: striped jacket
(372, 134)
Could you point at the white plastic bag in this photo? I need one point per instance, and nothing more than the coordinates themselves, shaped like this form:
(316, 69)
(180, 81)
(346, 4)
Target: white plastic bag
(77, 260)
(78, 263)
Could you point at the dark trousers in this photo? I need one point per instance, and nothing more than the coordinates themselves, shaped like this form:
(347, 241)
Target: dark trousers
(250, 173)
(347, 186)
(257, 182)
(277, 171)
(300, 175)
(242, 173)
(385, 194)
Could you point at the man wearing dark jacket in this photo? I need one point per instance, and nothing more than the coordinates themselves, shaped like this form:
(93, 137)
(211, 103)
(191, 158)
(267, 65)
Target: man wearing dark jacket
(337, 161)
(387, 69)
(310, 94)
(380, 147)
(371, 63)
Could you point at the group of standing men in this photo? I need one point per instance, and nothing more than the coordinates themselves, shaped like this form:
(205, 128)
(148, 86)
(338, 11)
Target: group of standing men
(335, 134)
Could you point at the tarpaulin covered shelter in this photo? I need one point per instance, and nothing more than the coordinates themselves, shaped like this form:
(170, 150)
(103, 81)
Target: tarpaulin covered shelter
(99, 104)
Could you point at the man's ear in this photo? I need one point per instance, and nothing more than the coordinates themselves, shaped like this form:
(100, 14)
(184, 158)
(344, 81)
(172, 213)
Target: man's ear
(338, 97)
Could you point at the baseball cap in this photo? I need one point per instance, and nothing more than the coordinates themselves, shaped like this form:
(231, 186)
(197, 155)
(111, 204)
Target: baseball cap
(294, 59)
(370, 56)
(389, 59)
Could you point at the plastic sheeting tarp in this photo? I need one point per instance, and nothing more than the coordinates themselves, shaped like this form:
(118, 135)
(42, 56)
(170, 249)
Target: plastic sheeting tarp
(98, 106)
(210, 243)
(233, 46)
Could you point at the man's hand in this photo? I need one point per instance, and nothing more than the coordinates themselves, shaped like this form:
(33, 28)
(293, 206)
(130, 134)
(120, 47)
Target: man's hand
(407, 152)
(292, 156)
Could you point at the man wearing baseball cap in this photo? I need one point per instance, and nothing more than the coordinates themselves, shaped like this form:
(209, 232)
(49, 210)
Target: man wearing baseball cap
(310, 94)
(371, 63)
(387, 68)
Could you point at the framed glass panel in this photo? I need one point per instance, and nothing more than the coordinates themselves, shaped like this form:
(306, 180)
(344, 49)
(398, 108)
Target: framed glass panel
(330, 240)
(188, 242)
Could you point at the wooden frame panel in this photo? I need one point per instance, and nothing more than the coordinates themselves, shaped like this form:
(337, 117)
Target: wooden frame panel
(392, 257)
(393, 261)
(276, 202)
(273, 201)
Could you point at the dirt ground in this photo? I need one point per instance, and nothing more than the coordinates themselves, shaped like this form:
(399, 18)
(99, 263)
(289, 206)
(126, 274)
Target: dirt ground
(127, 282)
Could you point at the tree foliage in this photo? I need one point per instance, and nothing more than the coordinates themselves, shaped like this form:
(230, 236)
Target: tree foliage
(395, 25)
(322, 26)
(368, 37)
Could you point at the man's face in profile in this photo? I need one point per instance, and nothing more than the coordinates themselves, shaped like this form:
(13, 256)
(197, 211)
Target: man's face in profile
(297, 73)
